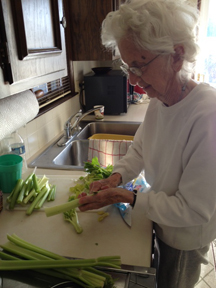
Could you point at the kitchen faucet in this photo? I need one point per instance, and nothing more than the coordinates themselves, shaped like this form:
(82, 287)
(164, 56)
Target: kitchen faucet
(71, 129)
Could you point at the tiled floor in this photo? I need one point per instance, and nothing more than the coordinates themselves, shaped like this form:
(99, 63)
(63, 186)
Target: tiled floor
(208, 273)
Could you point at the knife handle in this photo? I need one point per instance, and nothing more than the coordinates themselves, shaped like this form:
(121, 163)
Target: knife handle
(135, 197)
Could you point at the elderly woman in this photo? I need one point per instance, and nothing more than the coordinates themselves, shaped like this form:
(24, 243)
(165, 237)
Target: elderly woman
(176, 143)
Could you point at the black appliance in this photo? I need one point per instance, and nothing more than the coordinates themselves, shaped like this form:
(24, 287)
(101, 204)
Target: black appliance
(108, 89)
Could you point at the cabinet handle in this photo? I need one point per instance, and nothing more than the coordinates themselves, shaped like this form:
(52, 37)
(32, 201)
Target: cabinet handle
(63, 22)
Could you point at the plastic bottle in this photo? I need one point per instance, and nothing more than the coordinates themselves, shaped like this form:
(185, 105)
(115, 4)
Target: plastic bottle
(17, 146)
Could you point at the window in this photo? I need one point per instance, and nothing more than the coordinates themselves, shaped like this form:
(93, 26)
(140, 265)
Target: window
(206, 64)
(54, 93)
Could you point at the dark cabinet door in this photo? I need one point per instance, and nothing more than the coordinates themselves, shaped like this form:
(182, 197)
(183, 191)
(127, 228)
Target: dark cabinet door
(35, 44)
(85, 20)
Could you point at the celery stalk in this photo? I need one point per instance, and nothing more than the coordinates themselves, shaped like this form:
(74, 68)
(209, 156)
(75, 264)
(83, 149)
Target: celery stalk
(28, 178)
(40, 264)
(35, 183)
(42, 182)
(22, 243)
(25, 188)
(51, 196)
(5, 256)
(9, 198)
(45, 190)
(50, 211)
(34, 203)
(29, 187)
(115, 260)
(29, 196)
(15, 193)
(31, 255)
(21, 193)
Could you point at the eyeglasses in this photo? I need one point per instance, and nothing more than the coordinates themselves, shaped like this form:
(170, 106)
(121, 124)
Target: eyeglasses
(135, 70)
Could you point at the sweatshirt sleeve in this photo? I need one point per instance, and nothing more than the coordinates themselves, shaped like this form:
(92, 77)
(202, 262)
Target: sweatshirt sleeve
(132, 163)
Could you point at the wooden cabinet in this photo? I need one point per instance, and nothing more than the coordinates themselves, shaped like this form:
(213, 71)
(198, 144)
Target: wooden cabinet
(32, 44)
(85, 19)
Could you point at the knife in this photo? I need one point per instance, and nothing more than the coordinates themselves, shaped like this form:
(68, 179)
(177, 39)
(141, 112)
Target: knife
(125, 212)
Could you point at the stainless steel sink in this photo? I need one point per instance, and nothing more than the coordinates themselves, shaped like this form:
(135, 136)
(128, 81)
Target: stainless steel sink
(123, 128)
(73, 156)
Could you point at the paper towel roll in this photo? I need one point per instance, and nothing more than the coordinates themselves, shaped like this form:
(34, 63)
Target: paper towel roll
(16, 111)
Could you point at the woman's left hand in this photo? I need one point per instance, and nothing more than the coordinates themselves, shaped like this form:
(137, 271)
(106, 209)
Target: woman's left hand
(105, 197)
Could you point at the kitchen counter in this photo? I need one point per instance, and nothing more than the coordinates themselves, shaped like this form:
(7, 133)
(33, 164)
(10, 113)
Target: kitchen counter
(108, 237)
(136, 113)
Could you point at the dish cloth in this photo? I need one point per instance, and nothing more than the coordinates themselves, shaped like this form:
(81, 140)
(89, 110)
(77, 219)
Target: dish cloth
(107, 151)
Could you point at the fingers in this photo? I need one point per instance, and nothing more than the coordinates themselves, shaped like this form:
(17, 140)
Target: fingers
(105, 197)
(99, 185)
(90, 203)
(95, 186)
(83, 194)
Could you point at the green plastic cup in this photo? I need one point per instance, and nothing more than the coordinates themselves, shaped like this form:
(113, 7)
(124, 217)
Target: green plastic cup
(10, 171)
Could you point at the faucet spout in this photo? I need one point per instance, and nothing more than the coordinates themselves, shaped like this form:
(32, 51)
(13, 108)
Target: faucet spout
(82, 116)
(71, 129)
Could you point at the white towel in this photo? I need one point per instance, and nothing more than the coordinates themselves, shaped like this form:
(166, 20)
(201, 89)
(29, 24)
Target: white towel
(16, 111)
(107, 151)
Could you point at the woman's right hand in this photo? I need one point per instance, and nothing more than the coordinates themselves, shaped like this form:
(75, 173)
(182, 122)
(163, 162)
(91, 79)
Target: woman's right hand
(111, 182)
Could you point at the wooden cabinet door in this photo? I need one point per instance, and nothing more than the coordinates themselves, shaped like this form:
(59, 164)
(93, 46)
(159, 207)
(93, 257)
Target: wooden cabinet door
(85, 21)
(35, 44)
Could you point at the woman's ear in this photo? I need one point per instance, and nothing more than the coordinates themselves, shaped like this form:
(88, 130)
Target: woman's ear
(178, 57)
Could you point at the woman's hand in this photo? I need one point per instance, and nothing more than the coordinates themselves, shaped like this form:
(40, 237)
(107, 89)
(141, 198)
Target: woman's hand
(113, 181)
(104, 198)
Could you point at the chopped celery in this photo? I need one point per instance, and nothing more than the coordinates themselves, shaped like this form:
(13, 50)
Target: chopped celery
(35, 202)
(35, 184)
(29, 187)
(15, 193)
(29, 191)
(52, 193)
(40, 203)
(31, 194)
(22, 193)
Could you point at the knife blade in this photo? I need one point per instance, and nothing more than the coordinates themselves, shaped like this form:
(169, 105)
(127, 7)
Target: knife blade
(125, 211)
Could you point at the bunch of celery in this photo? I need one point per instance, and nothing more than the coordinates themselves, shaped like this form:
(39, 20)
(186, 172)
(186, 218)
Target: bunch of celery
(95, 172)
(32, 190)
(18, 254)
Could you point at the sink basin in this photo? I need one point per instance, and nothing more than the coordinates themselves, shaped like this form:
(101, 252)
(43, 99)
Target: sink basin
(73, 156)
(123, 128)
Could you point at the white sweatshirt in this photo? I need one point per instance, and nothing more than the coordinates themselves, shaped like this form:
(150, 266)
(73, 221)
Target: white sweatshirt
(176, 146)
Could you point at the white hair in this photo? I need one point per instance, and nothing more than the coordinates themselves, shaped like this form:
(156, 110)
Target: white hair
(155, 25)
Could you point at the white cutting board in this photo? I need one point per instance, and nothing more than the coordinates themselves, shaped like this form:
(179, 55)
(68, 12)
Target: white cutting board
(108, 237)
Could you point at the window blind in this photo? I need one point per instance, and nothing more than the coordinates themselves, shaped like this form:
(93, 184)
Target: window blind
(53, 91)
